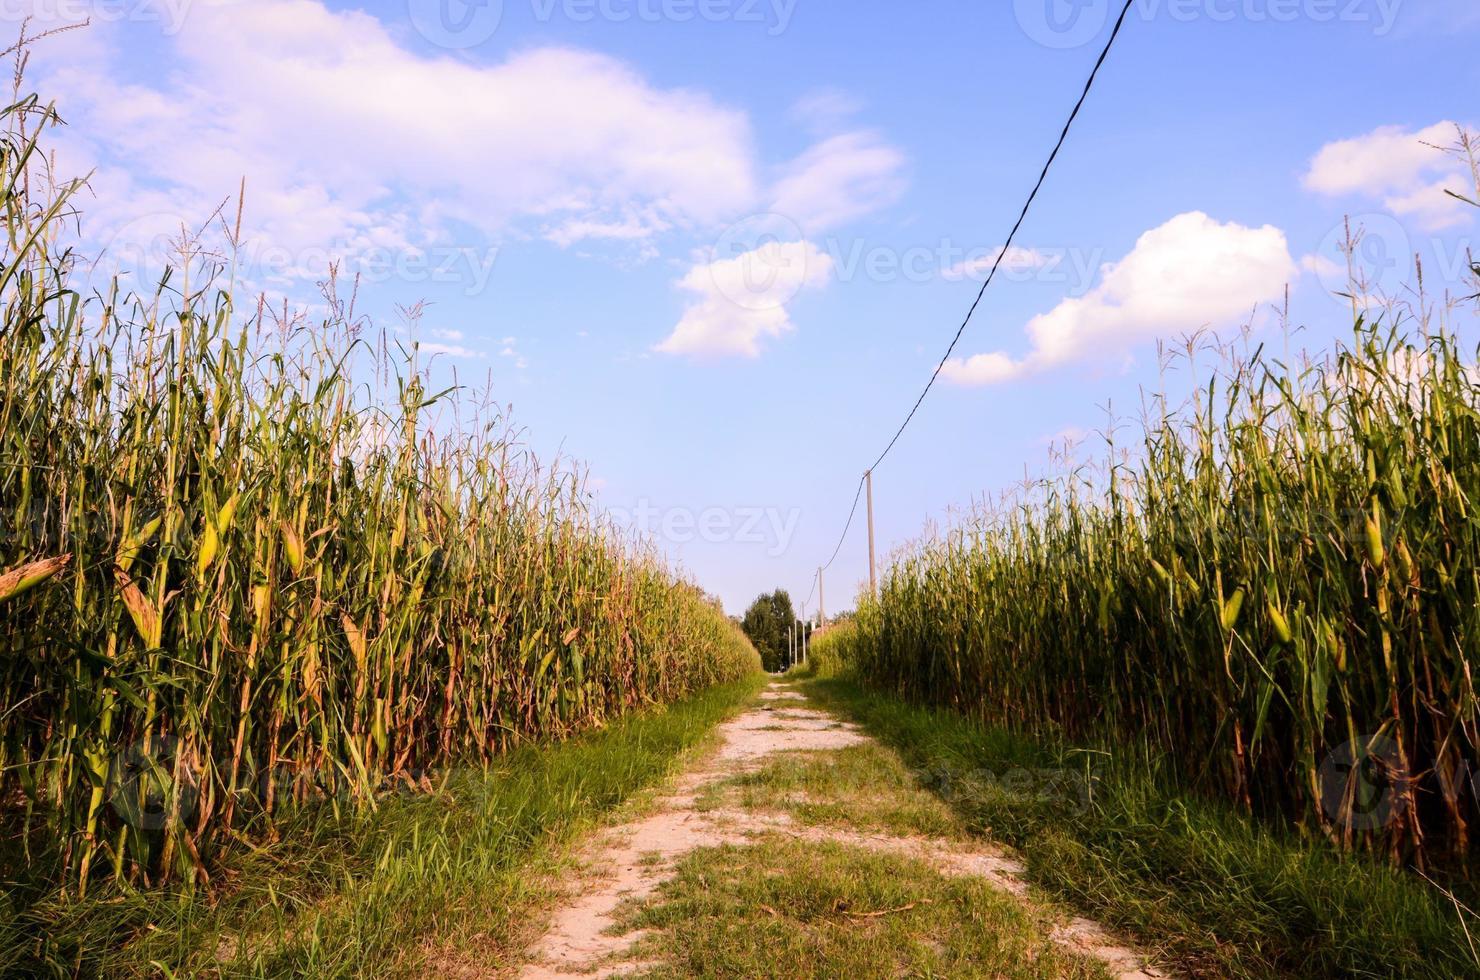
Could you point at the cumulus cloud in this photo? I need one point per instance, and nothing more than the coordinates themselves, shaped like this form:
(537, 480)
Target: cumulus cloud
(1401, 168)
(981, 369)
(357, 144)
(1191, 272)
(742, 300)
(347, 136)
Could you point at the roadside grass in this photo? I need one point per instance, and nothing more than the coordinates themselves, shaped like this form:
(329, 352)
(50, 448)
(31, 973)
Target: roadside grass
(866, 787)
(1214, 892)
(787, 908)
(421, 884)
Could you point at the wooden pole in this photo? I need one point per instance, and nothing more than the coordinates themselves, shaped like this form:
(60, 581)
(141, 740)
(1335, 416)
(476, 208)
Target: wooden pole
(821, 602)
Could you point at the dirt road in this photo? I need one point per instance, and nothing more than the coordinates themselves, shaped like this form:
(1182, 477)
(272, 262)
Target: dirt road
(673, 892)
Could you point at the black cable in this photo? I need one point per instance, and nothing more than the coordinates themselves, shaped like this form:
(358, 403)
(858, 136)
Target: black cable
(842, 537)
(1006, 246)
(1120, 22)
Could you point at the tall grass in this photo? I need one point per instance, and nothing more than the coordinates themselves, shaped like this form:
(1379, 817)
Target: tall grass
(1214, 892)
(1276, 592)
(235, 575)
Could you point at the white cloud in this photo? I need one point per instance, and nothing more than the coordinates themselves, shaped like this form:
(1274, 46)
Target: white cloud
(1431, 206)
(838, 180)
(355, 144)
(742, 300)
(1401, 168)
(451, 350)
(347, 137)
(1189, 273)
(980, 369)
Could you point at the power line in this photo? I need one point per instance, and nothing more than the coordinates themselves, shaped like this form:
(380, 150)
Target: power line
(996, 263)
(852, 511)
(1007, 245)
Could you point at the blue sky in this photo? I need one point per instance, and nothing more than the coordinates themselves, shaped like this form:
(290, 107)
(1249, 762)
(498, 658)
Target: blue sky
(714, 249)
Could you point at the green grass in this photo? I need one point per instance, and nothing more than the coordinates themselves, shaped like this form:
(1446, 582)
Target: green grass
(783, 908)
(1280, 571)
(425, 883)
(1215, 891)
(244, 554)
(864, 787)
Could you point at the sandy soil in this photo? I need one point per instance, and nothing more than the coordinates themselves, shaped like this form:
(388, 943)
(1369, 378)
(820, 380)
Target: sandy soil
(631, 861)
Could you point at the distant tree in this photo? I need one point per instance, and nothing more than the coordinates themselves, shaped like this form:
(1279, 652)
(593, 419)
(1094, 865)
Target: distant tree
(766, 623)
(839, 618)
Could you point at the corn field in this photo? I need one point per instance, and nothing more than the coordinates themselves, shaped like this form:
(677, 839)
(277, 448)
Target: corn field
(247, 563)
(1276, 591)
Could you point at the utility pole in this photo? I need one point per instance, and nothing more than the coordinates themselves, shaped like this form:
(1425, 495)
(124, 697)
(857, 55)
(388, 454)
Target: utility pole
(873, 582)
(821, 603)
(802, 635)
(791, 641)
